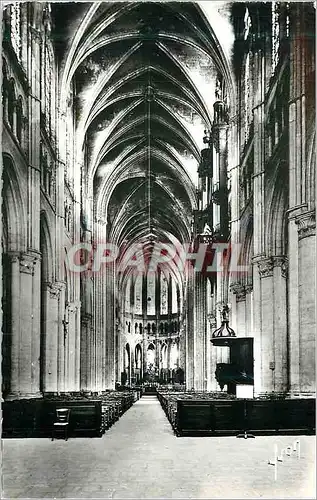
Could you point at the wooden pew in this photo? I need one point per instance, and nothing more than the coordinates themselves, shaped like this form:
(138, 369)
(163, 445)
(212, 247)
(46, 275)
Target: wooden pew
(193, 414)
(90, 414)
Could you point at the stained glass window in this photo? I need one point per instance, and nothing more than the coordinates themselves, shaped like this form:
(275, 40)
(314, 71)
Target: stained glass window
(11, 103)
(47, 80)
(16, 28)
(174, 356)
(174, 297)
(127, 297)
(5, 85)
(138, 357)
(164, 356)
(275, 34)
(48, 88)
(247, 96)
(247, 23)
(164, 294)
(151, 293)
(19, 112)
(151, 355)
(287, 20)
(138, 295)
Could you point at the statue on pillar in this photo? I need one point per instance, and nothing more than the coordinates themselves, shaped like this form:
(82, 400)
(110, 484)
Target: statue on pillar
(225, 313)
(220, 105)
(218, 89)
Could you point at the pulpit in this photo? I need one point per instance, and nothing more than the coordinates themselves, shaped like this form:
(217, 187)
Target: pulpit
(239, 370)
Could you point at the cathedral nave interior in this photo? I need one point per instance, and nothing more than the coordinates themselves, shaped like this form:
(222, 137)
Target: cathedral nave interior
(177, 131)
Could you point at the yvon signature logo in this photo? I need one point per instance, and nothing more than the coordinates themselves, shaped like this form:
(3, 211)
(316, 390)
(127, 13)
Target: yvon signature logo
(281, 456)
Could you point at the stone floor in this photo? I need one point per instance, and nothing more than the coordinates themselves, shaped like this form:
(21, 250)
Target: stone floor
(139, 457)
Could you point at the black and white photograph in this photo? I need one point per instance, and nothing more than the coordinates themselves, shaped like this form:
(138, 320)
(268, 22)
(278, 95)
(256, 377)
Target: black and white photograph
(158, 242)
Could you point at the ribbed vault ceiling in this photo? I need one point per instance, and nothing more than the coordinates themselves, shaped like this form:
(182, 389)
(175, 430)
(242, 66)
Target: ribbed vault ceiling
(143, 76)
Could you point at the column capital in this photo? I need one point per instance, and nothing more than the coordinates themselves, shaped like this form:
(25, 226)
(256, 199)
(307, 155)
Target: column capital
(248, 288)
(28, 261)
(265, 267)
(239, 291)
(282, 262)
(54, 289)
(13, 256)
(306, 223)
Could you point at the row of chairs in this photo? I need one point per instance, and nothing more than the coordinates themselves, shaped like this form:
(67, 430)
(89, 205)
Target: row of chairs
(112, 407)
(168, 401)
(169, 405)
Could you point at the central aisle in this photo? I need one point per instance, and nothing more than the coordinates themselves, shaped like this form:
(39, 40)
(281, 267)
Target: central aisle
(139, 457)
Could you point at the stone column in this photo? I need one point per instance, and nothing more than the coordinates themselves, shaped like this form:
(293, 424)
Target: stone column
(110, 326)
(212, 325)
(258, 215)
(15, 326)
(266, 360)
(219, 354)
(169, 347)
(190, 331)
(270, 356)
(92, 362)
(51, 297)
(103, 313)
(131, 373)
(281, 381)
(99, 313)
(213, 385)
(119, 334)
(24, 35)
(239, 295)
(306, 287)
(34, 140)
(233, 170)
(70, 347)
(209, 308)
(77, 345)
(85, 351)
(62, 336)
(200, 331)
(293, 307)
(25, 346)
(185, 335)
(301, 225)
(182, 356)
(249, 311)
